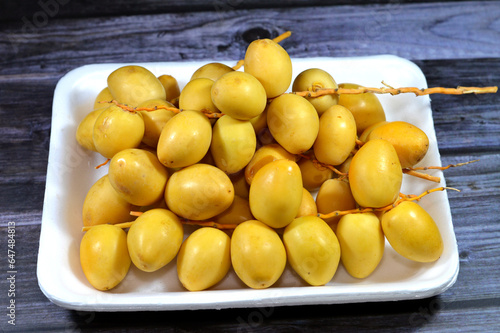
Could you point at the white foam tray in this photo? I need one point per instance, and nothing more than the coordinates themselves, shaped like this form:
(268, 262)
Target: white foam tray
(71, 173)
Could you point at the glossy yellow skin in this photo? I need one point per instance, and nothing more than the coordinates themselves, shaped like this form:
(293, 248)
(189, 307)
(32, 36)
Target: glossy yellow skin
(154, 239)
(410, 142)
(196, 95)
(293, 122)
(104, 205)
(211, 71)
(233, 144)
(103, 96)
(238, 212)
(116, 129)
(133, 85)
(138, 176)
(364, 136)
(315, 78)
(259, 122)
(375, 174)
(307, 205)
(270, 64)
(336, 137)
(86, 128)
(204, 259)
(276, 193)
(199, 192)
(264, 155)
(170, 85)
(184, 140)
(312, 177)
(362, 243)
(154, 121)
(334, 195)
(104, 256)
(239, 95)
(258, 255)
(412, 232)
(366, 108)
(312, 249)
(241, 187)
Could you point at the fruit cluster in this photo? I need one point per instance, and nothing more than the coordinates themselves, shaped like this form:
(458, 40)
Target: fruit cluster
(235, 154)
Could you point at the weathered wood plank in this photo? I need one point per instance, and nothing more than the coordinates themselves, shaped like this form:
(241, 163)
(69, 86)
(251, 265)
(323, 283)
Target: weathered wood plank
(413, 31)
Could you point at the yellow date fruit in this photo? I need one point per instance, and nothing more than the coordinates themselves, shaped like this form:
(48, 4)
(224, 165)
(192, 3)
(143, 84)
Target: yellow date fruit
(315, 78)
(233, 144)
(270, 64)
(258, 255)
(312, 249)
(184, 140)
(138, 176)
(336, 137)
(239, 95)
(412, 232)
(204, 259)
(104, 205)
(104, 256)
(171, 87)
(375, 174)
(211, 71)
(263, 155)
(154, 121)
(334, 195)
(86, 128)
(307, 205)
(103, 96)
(116, 129)
(293, 122)
(199, 192)
(313, 175)
(366, 108)
(133, 85)
(410, 142)
(238, 212)
(154, 239)
(196, 95)
(361, 242)
(276, 193)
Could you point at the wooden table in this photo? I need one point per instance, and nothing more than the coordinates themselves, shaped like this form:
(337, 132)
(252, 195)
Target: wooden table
(454, 43)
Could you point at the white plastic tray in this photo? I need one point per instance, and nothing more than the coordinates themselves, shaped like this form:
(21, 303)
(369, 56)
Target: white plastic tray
(71, 173)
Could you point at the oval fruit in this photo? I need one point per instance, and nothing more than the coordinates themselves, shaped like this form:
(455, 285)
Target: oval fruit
(336, 137)
(270, 64)
(239, 95)
(103, 205)
(412, 232)
(154, 239)
(204, 259)
(375, 174)
(276, 193)
(293, 122)
(365, 108)
(184, 140)
(133, 85)
(233, 144)
(104, 256)
(312, 249)
(410, 142)
(258, 255)
(315, 78)
(199, 192)
(361, 242)
(138, 176)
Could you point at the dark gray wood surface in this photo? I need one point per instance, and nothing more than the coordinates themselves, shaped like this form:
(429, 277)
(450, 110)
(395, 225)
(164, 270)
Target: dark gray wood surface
(454, 43)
